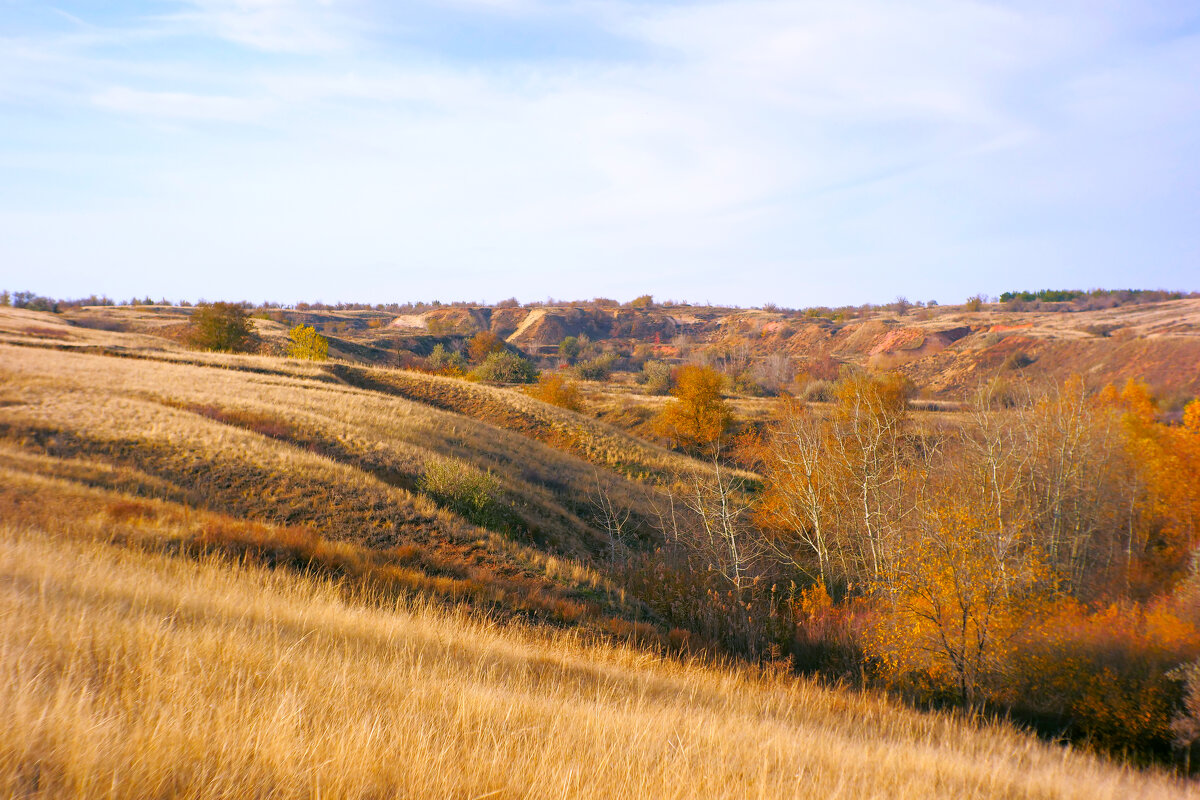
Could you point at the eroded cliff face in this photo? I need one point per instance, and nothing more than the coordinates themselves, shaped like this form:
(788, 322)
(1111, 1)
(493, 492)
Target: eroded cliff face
(946, 351)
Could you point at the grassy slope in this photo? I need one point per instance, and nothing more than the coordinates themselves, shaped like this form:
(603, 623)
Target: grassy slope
(337, 461)
(134, 673)
(126, 673)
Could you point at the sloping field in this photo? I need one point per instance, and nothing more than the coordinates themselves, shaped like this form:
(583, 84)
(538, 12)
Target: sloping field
(132, 674)
(342, 464)
(593, 441)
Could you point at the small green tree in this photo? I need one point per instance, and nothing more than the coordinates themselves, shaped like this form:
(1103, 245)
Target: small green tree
(445, 362)
(5, 299)
(307, 343)
(221, 326)
(569, 349)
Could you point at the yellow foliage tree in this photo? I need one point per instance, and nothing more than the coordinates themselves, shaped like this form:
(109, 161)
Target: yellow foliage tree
(306, 343)
(960, 594)
(699, 416)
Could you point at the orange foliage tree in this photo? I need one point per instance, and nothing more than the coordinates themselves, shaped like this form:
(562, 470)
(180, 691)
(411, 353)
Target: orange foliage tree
(482, 345)
(698, 417)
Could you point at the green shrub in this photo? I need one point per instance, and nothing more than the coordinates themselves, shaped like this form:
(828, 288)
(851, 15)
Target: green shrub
(656, 377)
(505, 367)
(462, 488)
(221, 326)
(596, 369)
(445, 362)
(569, 349)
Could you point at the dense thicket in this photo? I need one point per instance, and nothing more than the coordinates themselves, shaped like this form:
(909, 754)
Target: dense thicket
(1034, 554)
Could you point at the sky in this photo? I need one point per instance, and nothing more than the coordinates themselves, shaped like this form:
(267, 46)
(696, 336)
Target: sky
(725, 151)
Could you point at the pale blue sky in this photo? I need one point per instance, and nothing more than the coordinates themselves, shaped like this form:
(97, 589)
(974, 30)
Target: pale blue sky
(742, 152)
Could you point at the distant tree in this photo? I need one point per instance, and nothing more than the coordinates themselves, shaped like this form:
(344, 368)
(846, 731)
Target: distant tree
(569, 349)
(645, 301)
(901, 305)
(221, 326)
(308, 344)
(974, 303)
(505, 367)
(5, 299)
(445, 362)
(482, 345)
(598, 368)
(699, 416)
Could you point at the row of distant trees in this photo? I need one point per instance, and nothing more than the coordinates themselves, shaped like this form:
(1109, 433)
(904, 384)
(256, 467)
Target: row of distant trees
(1051, 299)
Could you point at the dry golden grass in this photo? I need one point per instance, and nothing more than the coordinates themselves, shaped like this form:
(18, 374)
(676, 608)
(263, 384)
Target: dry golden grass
(155, 404)
(338, 471)
(127, 674)
(596, 442)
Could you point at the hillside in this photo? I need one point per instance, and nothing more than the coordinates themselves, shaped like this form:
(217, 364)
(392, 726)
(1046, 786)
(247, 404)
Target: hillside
(129, 673)
(367, 521)
(946, 350)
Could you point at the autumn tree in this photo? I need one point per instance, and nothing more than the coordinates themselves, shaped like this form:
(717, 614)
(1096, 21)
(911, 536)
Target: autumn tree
(306, 343)
(482, 345)
(962, 589)
(221, 326)
(699, 416)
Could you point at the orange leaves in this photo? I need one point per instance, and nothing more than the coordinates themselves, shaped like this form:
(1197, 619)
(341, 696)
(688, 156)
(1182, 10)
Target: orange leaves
(1167, 458)
(699, 416)
(1103, 673)
(482, 345)
(557, 391)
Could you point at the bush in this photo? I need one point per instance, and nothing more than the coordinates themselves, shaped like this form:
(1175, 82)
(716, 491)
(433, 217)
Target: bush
(557, 391)
(596, 369)
(505, 368)
(445, 362)
(818, 391)
(974, 303)
(644, 301)
(1103, 676)
(463, 489)
(307, 343)
(569, 349)
(221, 326)
(656, 377)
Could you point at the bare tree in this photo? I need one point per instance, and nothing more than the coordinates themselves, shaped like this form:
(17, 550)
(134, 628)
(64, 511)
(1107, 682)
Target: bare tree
(613, 520)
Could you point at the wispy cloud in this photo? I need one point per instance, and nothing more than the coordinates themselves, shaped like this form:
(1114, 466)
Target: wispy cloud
(839, 152)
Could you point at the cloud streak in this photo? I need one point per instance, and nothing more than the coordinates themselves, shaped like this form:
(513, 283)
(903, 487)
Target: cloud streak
(732, 150)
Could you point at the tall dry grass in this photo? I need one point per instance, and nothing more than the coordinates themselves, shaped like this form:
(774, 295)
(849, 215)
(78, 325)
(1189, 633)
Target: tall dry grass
(129, 674)
(376, 435)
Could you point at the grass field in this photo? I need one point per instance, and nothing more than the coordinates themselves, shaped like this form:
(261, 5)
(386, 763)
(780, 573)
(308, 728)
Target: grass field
(133, 674)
